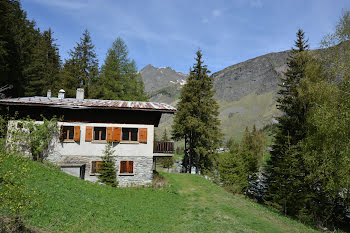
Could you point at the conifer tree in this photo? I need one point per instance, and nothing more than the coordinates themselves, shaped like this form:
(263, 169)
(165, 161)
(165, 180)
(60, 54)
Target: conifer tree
(165, 137)
(43, 72)
(18, 38)
(107, 173)
(119, 78)
(286, 171)
(196, 120)
(81, 69)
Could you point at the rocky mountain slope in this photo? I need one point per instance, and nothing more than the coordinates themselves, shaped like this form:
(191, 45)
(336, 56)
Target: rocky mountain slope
(245, 91)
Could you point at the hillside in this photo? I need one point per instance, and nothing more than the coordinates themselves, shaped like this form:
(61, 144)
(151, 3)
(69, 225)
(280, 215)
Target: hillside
(245, 91)
(189, 204)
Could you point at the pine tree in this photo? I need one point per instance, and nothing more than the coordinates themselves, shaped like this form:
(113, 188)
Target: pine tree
(81, 69)
(286, 171)
(165, 137)
(119, 78)
(196, 120)
(18, 38)
(107, 173)
(43, 71)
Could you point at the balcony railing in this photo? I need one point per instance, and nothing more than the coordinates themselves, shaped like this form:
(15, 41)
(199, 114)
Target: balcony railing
(163, 147)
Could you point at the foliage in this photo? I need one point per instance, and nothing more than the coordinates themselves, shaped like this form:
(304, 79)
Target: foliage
(119, 78)
(196, 120)
(107, 173)
(81, 69)
(326, 147)
(30, 136)
(239, 167)
(165, 137)
(286, 168)
(15, 196)
(28, 58)
(68, 204)
(44, 70)
(167, 162)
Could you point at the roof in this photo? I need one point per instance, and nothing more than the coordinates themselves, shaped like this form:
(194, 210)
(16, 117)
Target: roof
(89, 104)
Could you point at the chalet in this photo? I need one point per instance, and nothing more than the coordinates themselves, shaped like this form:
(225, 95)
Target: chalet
(88, 124)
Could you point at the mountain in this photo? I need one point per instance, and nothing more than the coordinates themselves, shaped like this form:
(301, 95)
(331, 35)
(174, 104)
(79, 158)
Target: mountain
(245, 91)
(162, 84)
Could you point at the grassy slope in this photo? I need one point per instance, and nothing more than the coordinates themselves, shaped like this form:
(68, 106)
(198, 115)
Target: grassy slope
(190, 204)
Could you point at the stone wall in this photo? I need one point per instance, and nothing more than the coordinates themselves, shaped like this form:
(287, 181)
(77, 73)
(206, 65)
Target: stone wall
(142, 171)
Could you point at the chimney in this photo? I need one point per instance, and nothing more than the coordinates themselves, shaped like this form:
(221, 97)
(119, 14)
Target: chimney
(61, 94)
(49, 93)
(80, 94)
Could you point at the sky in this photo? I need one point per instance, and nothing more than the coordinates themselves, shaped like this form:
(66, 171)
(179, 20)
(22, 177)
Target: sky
(167, 33)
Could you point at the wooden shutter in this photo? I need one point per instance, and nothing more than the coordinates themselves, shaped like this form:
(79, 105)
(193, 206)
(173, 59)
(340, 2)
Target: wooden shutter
(88, 134)
(61, 133)
(77, 133)
(130, 167)
(93, 167)
(96, 166)
(109, 134)
(123, 166)
(117, 131)
(99, 165)
(143, 135)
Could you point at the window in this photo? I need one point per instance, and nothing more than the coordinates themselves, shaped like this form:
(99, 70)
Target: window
(129, 134)
(96, 166)
(126, 167)
(68, 133)
(99, 133)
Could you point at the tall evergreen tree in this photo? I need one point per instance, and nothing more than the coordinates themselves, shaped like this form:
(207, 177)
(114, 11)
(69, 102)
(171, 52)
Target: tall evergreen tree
(81, 69)
(196, 120)
(286, 171)
(119, 78)
(43, 71)
(18, 37)
(165, 137)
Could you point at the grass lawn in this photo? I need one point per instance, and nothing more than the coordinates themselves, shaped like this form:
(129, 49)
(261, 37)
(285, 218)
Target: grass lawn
(189, 204)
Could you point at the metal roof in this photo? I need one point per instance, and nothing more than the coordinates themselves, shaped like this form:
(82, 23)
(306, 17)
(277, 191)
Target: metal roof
(89, 104)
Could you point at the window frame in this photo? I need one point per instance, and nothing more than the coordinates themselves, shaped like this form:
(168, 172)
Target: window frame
(127, 164)
(129, 136)
(67, 133)
(100, 134)
(95, 172)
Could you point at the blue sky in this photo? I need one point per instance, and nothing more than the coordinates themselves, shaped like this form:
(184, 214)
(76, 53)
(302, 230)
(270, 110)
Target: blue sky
(168, 33)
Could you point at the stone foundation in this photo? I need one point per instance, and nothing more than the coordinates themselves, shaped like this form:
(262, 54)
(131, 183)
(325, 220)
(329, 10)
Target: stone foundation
(142, 169)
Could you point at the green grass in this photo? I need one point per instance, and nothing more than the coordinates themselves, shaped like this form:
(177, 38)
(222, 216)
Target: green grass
(189, 204)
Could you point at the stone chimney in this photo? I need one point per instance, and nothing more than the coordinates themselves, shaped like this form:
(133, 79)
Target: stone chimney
(80, 94)
(49, 93)
(61, 94)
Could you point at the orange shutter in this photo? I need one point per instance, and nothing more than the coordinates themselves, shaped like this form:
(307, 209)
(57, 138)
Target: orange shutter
(143, 135)
(77, 133)
(122, 166)
(130, 167)
(116, 134)
(109, 134)
(88, 134)
(61, 133)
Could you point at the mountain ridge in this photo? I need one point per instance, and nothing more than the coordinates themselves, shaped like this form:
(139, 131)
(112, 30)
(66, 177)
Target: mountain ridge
(245, 91)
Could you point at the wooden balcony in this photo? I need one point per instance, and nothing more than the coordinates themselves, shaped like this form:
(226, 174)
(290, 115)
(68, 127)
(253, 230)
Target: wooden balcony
(163, 149)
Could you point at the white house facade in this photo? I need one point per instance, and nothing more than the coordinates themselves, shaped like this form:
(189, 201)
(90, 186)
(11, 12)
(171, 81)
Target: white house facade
(89, 125)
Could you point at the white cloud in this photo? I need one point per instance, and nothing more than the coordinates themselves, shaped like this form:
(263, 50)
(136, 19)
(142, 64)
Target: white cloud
(66, 4)
(216, 13)
(256, 3)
